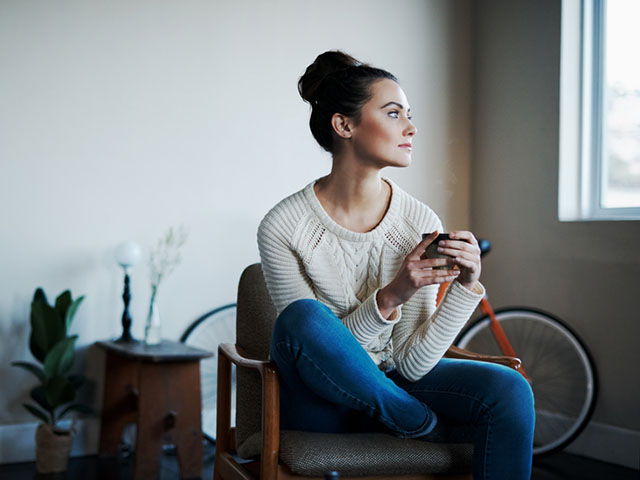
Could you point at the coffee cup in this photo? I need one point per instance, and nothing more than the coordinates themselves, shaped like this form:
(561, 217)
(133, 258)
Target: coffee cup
(432, 250)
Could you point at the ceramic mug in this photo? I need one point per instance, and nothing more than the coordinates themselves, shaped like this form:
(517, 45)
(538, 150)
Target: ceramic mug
(432, 250)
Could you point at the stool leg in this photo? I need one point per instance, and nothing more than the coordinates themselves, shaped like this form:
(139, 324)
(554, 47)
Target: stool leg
(119, 406)
(187, 434)
(169, 411)
(152, 406)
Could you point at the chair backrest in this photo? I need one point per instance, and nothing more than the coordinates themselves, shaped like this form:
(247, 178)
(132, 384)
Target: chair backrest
(256, 316)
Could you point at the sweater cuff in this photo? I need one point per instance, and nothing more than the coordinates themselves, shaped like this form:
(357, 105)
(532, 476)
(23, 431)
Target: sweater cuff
(366, 322)
(395, 316)
(369, 311)
(465, 296)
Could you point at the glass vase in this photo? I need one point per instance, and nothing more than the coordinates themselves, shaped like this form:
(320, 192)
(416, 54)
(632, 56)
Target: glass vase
(152, 330)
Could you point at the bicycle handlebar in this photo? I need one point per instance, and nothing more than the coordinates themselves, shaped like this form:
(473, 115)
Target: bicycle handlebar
(485, 246)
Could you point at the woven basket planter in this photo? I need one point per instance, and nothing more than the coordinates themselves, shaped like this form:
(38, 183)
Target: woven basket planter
(53, 446)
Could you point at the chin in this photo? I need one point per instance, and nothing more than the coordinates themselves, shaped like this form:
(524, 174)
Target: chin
(403, 163)
(396, 164)
(392, 161)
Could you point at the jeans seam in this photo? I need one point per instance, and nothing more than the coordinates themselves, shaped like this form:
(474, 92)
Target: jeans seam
(487, 442)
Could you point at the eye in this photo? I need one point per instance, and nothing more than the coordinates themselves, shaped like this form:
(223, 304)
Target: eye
(410, 117)
(393, 114)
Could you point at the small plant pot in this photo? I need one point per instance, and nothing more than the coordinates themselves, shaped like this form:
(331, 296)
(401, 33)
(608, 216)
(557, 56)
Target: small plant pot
(53, 446)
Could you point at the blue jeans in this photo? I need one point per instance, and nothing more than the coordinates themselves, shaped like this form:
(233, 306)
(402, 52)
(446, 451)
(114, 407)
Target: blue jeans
(328, 383)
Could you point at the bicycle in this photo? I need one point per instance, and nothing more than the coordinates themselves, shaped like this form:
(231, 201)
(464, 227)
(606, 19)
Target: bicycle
(555, 361)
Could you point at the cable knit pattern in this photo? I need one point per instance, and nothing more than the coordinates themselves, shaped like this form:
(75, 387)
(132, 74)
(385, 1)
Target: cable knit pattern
(305, 254)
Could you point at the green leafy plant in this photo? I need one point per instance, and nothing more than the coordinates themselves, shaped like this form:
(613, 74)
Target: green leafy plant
(52, 346)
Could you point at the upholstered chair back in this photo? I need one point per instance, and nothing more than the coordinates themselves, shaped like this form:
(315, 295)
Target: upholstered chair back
(255, 319)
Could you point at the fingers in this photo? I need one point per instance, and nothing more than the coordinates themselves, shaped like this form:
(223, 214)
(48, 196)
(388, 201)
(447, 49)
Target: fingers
(463, 238)
(464, 235)
(426, 263)
(421, 247)
(460, 253)
(432, 267)
(469, 264)
(438, 276)
(463, 241)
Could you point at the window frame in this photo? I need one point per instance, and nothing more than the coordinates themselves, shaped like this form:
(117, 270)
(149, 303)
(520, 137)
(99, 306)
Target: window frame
(581, 183)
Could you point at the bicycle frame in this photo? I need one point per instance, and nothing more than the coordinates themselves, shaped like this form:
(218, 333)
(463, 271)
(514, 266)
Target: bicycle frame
(494, 325)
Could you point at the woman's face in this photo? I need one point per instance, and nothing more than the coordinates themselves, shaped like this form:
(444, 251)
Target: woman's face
(384, 133)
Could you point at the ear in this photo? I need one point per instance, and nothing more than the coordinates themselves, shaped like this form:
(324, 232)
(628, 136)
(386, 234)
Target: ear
(342, 125)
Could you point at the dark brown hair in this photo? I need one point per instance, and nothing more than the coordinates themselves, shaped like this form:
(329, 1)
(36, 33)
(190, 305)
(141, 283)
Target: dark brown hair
(336, 83)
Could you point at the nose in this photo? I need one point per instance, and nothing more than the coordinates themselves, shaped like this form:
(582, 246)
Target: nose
(410, 129)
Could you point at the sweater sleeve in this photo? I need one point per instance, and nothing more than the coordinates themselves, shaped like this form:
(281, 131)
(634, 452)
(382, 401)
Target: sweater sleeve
(424, 334)
(283, 270)
(422, 339)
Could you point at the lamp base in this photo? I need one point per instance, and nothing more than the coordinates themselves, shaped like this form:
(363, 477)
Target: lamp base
(127, 338)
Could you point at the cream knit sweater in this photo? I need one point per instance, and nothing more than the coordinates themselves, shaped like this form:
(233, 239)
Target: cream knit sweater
(305, 254)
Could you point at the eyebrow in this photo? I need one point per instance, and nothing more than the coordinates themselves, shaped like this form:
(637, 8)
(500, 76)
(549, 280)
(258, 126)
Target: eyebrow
(399, 105)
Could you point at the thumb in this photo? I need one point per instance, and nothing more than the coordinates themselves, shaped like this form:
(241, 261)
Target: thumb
(417, 252)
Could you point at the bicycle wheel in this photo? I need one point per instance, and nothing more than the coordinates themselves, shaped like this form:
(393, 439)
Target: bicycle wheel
(562, 372)
(207, 332)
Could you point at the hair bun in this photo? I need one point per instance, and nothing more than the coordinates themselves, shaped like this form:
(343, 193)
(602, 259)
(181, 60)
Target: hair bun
(325, 64)
(336, 83)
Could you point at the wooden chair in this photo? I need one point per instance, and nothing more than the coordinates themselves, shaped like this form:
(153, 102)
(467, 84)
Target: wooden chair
(275, 454)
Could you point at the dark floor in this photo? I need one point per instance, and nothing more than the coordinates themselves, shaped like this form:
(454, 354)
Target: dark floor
(562, 466)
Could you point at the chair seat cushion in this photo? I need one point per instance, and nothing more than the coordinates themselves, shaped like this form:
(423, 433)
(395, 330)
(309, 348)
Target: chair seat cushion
(356, 454)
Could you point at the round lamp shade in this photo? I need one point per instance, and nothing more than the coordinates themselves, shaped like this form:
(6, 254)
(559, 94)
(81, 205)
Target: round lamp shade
(128, 253)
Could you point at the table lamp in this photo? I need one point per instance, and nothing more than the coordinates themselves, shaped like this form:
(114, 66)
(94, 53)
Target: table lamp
(127, 255)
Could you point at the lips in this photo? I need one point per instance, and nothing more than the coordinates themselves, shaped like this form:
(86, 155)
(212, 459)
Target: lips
(405, 145)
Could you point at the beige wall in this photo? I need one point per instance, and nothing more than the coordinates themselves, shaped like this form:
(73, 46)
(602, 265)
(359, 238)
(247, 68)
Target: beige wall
(588, 273)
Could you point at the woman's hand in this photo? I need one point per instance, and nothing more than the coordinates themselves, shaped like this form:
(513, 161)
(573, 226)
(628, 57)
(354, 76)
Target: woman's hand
(415, 273)
(463, 247)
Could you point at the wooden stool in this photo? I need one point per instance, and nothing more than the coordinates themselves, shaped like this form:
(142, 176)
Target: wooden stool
(158, 388)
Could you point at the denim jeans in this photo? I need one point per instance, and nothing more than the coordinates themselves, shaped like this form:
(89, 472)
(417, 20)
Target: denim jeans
(328, 383)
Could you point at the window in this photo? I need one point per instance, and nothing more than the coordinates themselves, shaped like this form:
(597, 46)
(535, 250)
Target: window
(600, 110)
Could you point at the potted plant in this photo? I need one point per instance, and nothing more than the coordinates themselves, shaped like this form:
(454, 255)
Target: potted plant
(55, 394)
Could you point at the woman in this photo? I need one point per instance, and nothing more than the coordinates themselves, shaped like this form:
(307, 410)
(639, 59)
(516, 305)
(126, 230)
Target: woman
(358, 335)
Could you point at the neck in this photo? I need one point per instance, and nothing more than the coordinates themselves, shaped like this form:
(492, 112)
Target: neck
(351, 187)
(355, 196)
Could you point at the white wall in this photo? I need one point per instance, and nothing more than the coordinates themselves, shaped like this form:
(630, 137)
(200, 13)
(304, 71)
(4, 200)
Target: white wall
(120, 119)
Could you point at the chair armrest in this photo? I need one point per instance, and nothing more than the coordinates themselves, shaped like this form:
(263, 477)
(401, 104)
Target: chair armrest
(270, 404)
(241, 359)
(455, 352)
